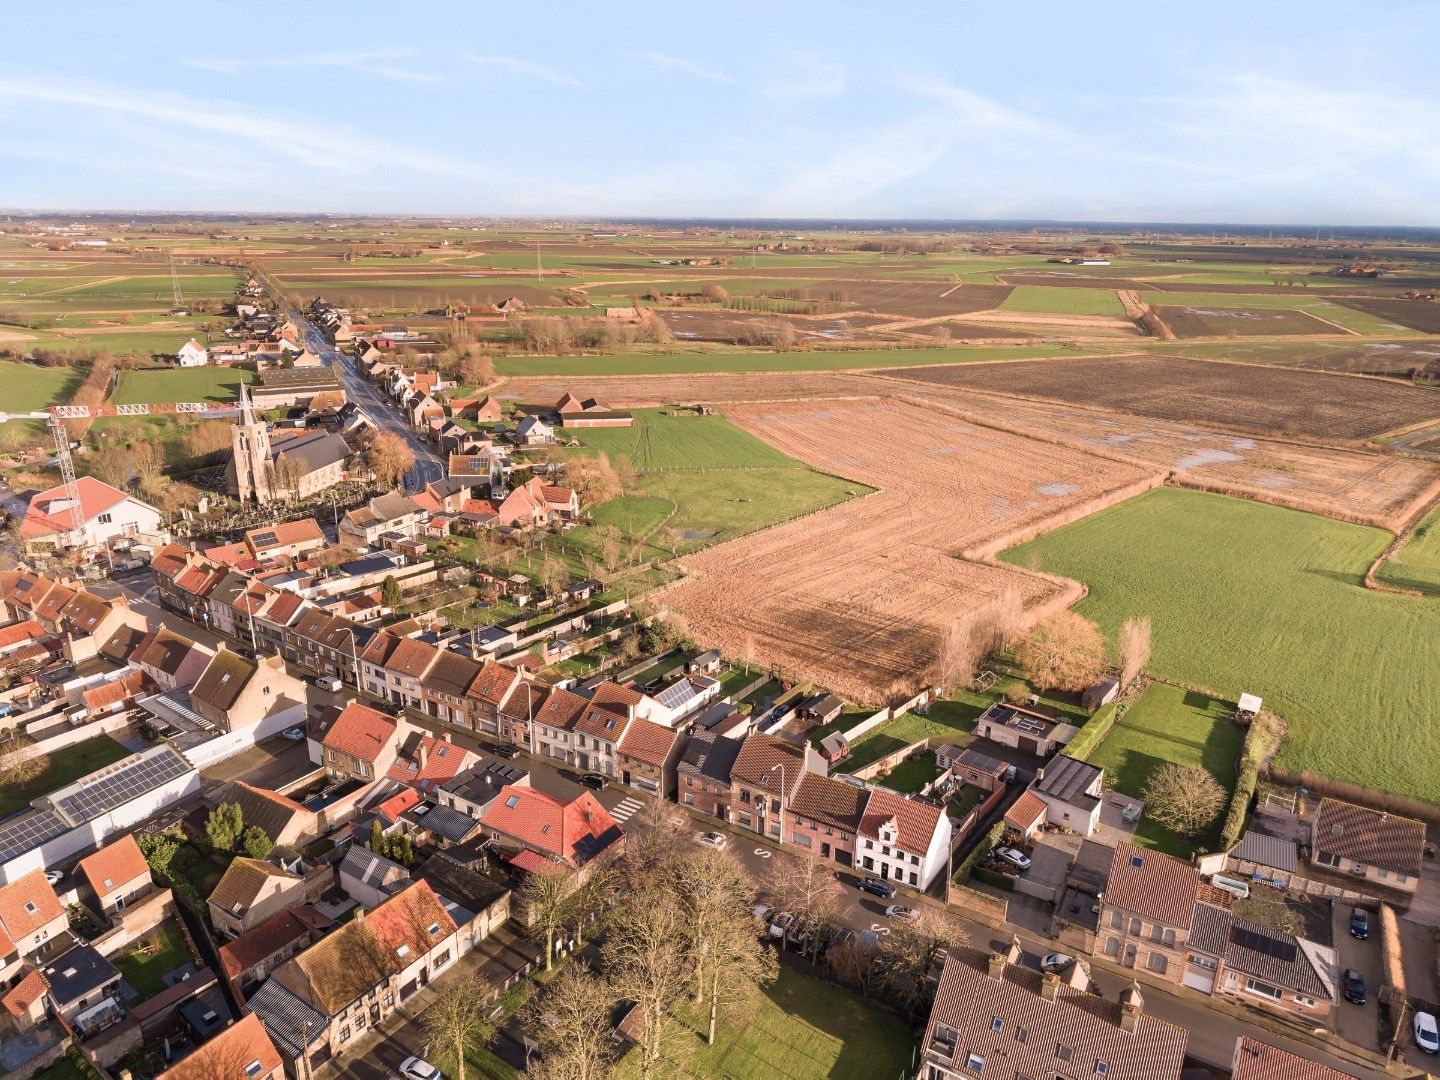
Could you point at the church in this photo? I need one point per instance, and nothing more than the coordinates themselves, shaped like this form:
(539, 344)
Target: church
(265, 467)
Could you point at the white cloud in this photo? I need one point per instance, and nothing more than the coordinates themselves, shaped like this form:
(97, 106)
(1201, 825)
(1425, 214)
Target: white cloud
(317, 145)
(528, 69)
(804, 78)
(682, 66)
(375, 62)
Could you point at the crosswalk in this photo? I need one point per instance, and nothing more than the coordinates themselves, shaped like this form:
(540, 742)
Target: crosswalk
(626, 810)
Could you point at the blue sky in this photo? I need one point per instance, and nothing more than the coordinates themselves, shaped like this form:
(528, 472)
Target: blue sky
(1256, 112)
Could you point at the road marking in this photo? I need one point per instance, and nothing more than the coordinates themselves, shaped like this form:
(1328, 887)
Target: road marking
(626, 810)
(764, 853)
(879, 928)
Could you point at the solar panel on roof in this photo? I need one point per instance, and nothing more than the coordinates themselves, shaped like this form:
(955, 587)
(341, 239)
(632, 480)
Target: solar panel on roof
(1264, 944)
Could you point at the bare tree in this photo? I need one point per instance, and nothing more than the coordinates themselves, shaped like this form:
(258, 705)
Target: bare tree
(552, 576)
(1065, 652)
(1185, 798)
(19, 764)
(958, 654)
(1134, 648)
(729, 961)
(390, 458)
(571, 1025)
(457, 1021)
(805, 885)
(645, 956)
(551, 898)
(594, 480)
(913, 946)
(610, 541)
(1008, 611)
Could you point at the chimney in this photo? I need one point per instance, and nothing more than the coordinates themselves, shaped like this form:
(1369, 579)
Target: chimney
(1132, 1007)
(1050, 986)
(420, 752)
(997, 966)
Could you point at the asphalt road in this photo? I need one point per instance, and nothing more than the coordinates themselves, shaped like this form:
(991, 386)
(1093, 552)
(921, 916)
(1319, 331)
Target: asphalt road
(376, 406)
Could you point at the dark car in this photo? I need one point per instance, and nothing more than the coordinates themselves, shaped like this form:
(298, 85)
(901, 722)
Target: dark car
(1359, 923)
(594, 780)
(1354, 987)
(506, 751)
(876, 887)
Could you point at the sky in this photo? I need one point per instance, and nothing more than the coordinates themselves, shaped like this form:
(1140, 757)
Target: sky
(1256, 112)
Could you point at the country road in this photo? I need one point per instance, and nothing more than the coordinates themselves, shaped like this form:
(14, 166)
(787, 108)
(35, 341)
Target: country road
(378, 409)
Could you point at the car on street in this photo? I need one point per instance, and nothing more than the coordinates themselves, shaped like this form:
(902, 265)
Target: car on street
(713, 839)
(1014, 856)
(876, 887)
(1359, 923)
(1057, 962)
(414, 1068)
(1427, 1036)
(54, 877)
(900, 911)
(594, 780)
(1354, 986)
(329, 682)
(780, 924)
(293, 734)
(505, 750)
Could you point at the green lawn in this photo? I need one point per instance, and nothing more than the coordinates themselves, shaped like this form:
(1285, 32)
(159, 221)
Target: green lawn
(680, 363)
(152, 385)
(64, 1069)
(912, 774)
(800, 1028)
(1169, 724)
(661, 440)
(65, 766)
(1053, 300)
(947, 719)
(30, 387)
(1417, 564)
(1246, 597)
(1361, 322)
(145, 964)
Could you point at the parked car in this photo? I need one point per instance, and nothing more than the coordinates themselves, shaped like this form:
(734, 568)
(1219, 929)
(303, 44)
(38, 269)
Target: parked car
(414, 1068)
(762, 911)
(1359, 923)
(1014, 856)
(842, 936)
(332, 684)
(876, 887)
(594, 780)
(801, 930)
(717, 840)
(294, 734)
(1427, 1036)
(1354, 987)
(54, 877)
(780, 924)
(1057, 962)
(505, 750)
(900, 911)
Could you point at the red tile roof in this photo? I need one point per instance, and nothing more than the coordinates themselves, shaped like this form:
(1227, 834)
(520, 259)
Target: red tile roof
(361, 732)
(265, 940)
(1149, 883)
(114, 866)
(560, 710)
(610, 710)
(759, 755)
(26, 992)
(397, 804)
(1360, 834)
(915, 821)
(1255, 1060)
(648, 742)
(444, 761)
(114, 692)
(1028, 809)
(43, 518)
(31, 889)
(304, 531)
(568, 831)
(405, 920)
(228, 1055)
(28, 630)
(411, 657)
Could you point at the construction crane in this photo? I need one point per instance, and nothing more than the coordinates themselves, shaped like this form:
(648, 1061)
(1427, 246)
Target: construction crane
(56, 415)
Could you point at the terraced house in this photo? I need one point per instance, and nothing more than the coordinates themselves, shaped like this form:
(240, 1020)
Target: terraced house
(554, 727)
(392, 668)
(361, 744)
(903, 839)
(1146, 912)
(764, 778)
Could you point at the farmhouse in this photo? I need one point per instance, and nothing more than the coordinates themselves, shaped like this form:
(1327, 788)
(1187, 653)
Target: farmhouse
(192, 354)
(102, 514)
(576, 412)
(1384, 849)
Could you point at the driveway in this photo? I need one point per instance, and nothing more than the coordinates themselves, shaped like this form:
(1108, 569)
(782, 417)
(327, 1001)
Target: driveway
(1357, 1023)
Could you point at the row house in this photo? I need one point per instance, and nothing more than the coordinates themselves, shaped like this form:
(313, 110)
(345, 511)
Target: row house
(824, 815)
(1146, 911)
(326, 644)
(487, 696)
(444, 686)
(249, 958)
(361, 744)
(647, 755)
(602, 725)
(81, 618)
(764, 778)
(171, 661)
(427, 762)
(392, 667)
(903, 839)
(236, 692)
(554, 727)
(704, 773)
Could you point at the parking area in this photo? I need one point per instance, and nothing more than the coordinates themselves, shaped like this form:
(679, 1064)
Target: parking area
(1357, 1023)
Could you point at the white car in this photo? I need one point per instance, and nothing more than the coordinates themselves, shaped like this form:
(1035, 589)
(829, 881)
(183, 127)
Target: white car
(293, 734)
(414, 1068)
(54, 877)
(1014, 857)
(713, 839)
(900, 911)
(1427, 1036)
(1057, 962)
(331, 683)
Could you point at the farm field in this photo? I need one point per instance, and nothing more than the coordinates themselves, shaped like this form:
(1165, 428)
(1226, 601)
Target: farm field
(739, 360)
(857, 598)
(661, 440)
(1189, 322)
(1170, 724)
(30, 387)
(153, 385)
(1252, 598)
(1372, 488)
(911, 299)
(733, 326)
(1392, 358)
(1419, 315)
(1061, 301)
(1417, 564)
(1268, 401)
(637, 391)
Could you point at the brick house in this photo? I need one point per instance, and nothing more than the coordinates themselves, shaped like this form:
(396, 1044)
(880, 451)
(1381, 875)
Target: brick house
(360, 744)
(117, 874)
(824, 815)
(703, 773)
(1146, 911)
(646, 756)
(1383, 849)
(756, 787)
(249, 892)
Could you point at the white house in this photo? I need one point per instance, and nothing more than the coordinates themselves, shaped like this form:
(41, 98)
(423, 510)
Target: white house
(104, 514)
(192, 354)
(904, 840)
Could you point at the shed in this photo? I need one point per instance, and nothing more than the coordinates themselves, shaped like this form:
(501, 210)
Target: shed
(834, 748)
(705, 663)
(1100, 695)
(824, 709)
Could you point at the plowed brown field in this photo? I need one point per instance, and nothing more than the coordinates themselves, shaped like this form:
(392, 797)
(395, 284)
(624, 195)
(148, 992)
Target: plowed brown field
(640, 391)
(857, 598)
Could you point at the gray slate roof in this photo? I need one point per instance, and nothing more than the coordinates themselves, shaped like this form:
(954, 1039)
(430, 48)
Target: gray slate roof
(1266, 850)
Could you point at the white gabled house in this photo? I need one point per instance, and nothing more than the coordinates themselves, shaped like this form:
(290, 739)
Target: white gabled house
(192, 354)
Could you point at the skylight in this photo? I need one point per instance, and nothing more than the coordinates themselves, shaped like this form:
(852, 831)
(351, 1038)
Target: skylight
(512, 802)
(403, 950)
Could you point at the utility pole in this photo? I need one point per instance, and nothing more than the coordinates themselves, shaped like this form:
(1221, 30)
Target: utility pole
(539, 267)
(175, 282)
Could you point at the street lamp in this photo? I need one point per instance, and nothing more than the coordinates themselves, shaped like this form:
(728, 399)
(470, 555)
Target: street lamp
(781, 767)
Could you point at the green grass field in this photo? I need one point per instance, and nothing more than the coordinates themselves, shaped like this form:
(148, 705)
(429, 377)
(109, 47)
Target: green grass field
(743, 360)
(1417, 564)
(143, 343)
(145, 964)
(658, 441)
(799, 1028)
(151, 385)
(30, 387)
(1362, 322)
(1246, 597)
(1062, 301)
(1167, 723)
(65, 766)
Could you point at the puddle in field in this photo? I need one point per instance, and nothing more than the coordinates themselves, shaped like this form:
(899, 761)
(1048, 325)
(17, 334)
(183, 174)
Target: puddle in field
(698, 534)
(1206, 457)
(1274, 481)
(1057, 491)
(1243, 444)
(939, 450)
